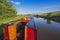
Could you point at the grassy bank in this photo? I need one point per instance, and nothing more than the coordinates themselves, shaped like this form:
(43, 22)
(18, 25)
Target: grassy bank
(55, 16)
(10, 19)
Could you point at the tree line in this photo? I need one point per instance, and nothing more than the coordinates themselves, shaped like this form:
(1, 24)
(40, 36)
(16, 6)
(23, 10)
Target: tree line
(6, 10)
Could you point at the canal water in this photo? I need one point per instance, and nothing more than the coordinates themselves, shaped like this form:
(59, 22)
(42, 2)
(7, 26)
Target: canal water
(46, 30)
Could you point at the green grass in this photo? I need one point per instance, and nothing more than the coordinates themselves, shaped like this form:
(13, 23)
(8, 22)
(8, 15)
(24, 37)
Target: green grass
(57, 13)
(10, 19)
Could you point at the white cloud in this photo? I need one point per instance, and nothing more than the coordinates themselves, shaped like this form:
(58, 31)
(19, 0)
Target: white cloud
(16, 3)
(12, 1)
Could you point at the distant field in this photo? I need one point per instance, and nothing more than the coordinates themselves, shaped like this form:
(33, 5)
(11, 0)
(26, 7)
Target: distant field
(55, 16)
(57, 13)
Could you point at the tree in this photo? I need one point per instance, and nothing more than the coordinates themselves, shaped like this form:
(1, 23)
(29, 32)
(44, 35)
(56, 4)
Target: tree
(6, 9)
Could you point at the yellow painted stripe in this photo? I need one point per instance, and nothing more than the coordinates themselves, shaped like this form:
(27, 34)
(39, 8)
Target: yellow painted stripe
(26, 33)
(12, 32)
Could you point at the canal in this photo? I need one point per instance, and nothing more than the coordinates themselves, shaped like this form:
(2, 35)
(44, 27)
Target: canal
(46, 30)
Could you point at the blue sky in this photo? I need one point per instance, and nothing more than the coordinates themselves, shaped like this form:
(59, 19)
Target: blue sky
(36, 6)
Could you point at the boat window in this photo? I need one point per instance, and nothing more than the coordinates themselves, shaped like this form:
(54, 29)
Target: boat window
(20, 30)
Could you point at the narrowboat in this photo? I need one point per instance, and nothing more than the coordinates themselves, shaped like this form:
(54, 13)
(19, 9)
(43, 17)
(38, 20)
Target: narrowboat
(20, 30)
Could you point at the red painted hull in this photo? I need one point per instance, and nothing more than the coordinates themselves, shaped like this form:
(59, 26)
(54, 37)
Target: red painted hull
(30, 33)
(6, 32)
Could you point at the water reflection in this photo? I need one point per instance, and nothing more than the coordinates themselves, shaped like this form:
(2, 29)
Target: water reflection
(47, 29)
(48, 21)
